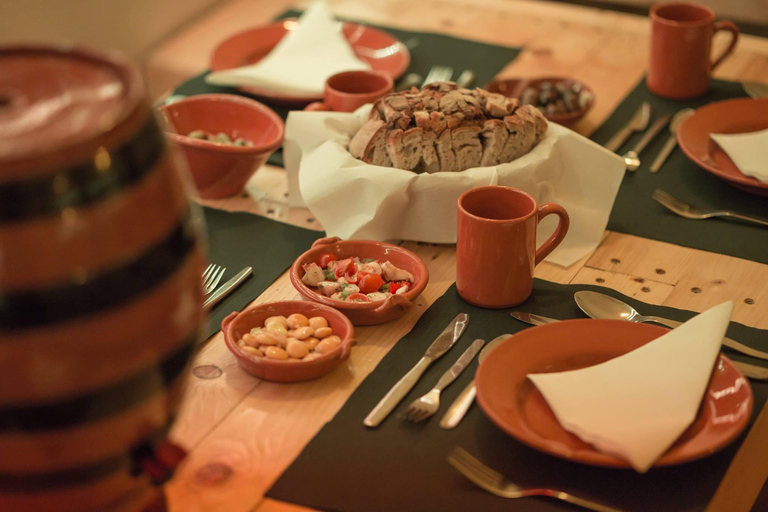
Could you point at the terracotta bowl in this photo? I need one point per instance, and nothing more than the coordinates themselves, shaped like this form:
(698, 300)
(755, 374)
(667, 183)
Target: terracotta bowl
(220, 170)
(237, 324)
(364, 313)
(514, 87)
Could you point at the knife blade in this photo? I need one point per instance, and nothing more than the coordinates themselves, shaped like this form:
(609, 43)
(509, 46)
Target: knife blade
(638, 122)
(440, 346)
(530, 318)
(460, 406)
(227, 287)
(749, 370)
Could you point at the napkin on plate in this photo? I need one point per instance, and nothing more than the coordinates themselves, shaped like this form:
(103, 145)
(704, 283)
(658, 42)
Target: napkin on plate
(747, 150)
(302, 61)
(636, 405)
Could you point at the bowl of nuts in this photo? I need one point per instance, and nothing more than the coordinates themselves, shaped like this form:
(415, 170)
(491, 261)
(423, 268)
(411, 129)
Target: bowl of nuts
(224, 137)
(561, 100)
(288, 341)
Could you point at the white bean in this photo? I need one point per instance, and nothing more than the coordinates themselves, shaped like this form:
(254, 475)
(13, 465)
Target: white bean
(279, 318)
(303, 332)
(323, 332)
(250, 340)
(297, 349)
(277, 353)
(317, 322)
(253, 351)
(276, 326)
(297, 320)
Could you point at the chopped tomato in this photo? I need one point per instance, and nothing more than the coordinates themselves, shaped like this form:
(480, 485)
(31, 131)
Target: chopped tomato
(394, 286)
(369, 282)
(326, 258)
(346, 269)
(358, 297)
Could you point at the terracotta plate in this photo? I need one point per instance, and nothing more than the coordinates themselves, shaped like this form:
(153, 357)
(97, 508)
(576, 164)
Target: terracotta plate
(741, 115)
(253, 45)
(513, 403)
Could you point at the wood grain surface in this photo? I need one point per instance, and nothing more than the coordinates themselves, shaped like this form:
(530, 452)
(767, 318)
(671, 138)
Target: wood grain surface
(242, 433)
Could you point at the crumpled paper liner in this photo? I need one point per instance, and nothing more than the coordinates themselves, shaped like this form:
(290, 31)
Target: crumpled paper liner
(355, 200)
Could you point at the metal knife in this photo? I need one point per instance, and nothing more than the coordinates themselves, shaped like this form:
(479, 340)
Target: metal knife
(749, 370)
(460, 406)
(440, 346)
(756, 89)
(227, 287)
(638, 122)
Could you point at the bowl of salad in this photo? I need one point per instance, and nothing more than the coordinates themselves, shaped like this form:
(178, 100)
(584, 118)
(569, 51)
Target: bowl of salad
(370, 282)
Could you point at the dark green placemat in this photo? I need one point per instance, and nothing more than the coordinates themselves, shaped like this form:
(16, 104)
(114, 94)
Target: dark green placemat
(401, 466)
(239, 240)
(635, 213)
(485, 60)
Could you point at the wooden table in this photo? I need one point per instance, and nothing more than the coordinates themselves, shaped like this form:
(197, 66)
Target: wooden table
(242, 433)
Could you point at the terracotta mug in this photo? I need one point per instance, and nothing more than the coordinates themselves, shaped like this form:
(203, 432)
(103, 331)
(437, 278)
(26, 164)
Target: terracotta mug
(345, 92)
(496, 244)
(681, 43)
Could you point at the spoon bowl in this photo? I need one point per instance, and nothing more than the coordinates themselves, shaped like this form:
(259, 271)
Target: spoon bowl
(604, 307)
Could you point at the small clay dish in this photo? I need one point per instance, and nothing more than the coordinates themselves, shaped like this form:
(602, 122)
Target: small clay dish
(364, 313)
(515, 88)
(237, 324)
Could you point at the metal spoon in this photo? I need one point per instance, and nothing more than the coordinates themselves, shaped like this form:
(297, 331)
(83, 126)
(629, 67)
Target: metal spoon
(669, 146)
(460, 406)
(632, 157)
(756, 89)
(601, 306)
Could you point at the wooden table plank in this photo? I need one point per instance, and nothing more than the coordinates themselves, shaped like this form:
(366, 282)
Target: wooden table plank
(246, 432)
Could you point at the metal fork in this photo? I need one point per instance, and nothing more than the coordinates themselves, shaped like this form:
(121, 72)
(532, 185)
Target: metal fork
(211, 277)
(424, 407)
(691, 212)
(495, 483)
(438, 74)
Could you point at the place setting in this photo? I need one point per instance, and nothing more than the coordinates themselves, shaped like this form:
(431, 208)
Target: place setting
(479, 320)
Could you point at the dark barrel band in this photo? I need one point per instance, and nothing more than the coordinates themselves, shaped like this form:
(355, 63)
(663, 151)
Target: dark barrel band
(67, 302)
(102, 403)
(85, 183)
(68, 478)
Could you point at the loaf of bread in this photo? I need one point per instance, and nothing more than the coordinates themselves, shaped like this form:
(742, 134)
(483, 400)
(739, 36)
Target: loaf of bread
(446, 128)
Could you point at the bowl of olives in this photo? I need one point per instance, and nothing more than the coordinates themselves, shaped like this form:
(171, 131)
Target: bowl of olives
(561, 100)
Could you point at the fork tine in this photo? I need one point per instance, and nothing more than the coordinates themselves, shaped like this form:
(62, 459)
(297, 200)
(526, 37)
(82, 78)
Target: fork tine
(458, 460)
(209, 278)
(208, 270)
(218, 277)
(479, 467)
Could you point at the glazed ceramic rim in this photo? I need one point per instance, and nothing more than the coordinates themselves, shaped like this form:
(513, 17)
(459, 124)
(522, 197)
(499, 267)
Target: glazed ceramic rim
(522, 218)
(184, 140)
(348, 340)
(389, 83)
(341, 305)
(676, 23)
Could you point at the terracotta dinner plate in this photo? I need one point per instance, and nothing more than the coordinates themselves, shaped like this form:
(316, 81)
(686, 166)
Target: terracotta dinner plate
(514, 404)
(250, 46)
(741, 115)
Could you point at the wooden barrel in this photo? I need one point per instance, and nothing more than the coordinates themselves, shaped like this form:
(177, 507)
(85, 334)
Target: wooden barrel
(100, 296)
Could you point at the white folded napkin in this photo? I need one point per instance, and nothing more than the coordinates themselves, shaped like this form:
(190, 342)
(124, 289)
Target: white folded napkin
(302, 61)
(635, 406)
(749, 151)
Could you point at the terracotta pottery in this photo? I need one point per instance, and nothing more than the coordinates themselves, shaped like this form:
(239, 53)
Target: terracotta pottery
(496, 244)
(239, 323)
(514, 87)
(363, 313)
(221, 170)
(681, 45)
(345, 92)
(100, 296)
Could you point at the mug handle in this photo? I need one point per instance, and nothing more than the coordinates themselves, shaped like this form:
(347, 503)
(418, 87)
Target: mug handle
(557, 237)
(734, 30)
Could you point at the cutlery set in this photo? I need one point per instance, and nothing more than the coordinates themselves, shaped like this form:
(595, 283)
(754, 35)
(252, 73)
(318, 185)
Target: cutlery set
(436, 73)
(639, 123)
(211, 278)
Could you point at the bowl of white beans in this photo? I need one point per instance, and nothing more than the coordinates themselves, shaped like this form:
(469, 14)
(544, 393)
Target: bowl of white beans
(288, 341)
